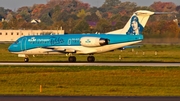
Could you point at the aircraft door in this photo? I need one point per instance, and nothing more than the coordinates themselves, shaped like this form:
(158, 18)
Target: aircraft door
(23, 44)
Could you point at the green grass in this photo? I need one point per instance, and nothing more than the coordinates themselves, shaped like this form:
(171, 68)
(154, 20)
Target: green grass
(94, 81)
(165, 53)
(90, 81)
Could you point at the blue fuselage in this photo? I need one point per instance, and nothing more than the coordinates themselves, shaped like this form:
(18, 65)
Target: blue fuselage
(32, 42)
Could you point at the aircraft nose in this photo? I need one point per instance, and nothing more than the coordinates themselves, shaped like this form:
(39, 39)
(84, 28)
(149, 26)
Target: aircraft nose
(10, 48)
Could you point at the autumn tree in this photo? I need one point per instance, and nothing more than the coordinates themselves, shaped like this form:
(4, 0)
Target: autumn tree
(163, 29)
(109, 4)
(81, 27)
(92, 17)
(103, 26)
(2, 13)
(129, 7)
(58, 25)
(69, 25)
(37, 10)
(163, 6)
(1, 25)
(45, 18)
(25, 13)
(70, 6)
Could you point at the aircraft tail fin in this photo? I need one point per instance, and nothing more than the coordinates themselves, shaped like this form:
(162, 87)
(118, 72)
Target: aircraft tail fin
(136, 23)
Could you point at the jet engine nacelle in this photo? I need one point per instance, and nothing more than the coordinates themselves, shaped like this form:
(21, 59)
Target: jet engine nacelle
(93, 41)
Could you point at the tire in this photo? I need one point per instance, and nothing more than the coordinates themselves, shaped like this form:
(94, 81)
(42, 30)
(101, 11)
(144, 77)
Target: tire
(72, 59)
(91, 59)
(26, 59)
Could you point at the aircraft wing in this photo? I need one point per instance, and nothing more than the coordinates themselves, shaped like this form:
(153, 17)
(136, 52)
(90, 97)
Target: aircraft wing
(59, 49)
(70, 50)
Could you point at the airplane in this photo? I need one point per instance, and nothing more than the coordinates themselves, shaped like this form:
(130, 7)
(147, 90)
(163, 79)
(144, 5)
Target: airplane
(84, 44)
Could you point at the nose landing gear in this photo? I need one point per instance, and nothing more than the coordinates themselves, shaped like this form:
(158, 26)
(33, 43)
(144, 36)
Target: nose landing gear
(26, 59)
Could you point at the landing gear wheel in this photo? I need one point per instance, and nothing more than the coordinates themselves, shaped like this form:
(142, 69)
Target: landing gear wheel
(90, 58)
(26, 59)
(72, 59)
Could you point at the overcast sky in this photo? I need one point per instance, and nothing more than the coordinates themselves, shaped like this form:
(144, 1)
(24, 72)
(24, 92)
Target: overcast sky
(15, 4)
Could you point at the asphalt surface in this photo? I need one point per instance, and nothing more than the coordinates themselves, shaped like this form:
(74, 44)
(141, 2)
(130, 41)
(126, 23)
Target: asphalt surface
(35, 98)
(95, 64)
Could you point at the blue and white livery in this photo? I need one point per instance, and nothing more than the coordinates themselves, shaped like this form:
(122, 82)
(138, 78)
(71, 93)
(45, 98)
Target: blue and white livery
(83, 43)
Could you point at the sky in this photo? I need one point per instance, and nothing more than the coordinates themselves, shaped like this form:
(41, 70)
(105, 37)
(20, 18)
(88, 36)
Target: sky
(15, 4)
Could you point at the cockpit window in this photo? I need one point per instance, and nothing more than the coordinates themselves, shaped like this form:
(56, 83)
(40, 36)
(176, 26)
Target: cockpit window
(16, 42)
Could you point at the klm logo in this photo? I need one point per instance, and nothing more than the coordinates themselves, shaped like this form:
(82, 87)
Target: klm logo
(88, 41)
(32, 39)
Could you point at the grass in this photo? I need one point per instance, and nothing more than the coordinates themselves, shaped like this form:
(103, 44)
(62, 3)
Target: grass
(94, 81)
(90, 81)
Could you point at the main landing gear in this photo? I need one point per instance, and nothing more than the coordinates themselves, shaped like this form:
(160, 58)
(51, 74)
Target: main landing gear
(89, 59)
(26, 59)
(71, 58)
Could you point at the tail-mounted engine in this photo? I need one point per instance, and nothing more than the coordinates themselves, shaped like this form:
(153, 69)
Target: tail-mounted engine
(93, 41)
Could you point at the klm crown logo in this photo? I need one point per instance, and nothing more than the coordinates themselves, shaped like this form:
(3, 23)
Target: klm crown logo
(88, 41)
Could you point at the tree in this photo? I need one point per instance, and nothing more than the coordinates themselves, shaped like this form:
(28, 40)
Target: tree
(92, 17)
(111, 3)
(5, 25)
(38, 10)
(10, 16)
(178, 8)
(117, 19)
(25, 13)
(81, 27)
(163, 6)
(103, 26)
(45, 18)
(2, 13)
(69, 25)
(128, 7)
(58, 25)
(98, 13)
(81, 14)
(1, 25)
(110, 6)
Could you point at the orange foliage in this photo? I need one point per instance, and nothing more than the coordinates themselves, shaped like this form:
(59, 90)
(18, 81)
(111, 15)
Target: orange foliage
(38, 8)
(109, 15)
(1, 25)
(68, 4)
(163, 6)
(18, 16)
(164, 29)
(123, 13)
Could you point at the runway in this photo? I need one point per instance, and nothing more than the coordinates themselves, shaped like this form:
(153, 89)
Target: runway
(24, 98)
(94, 64)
